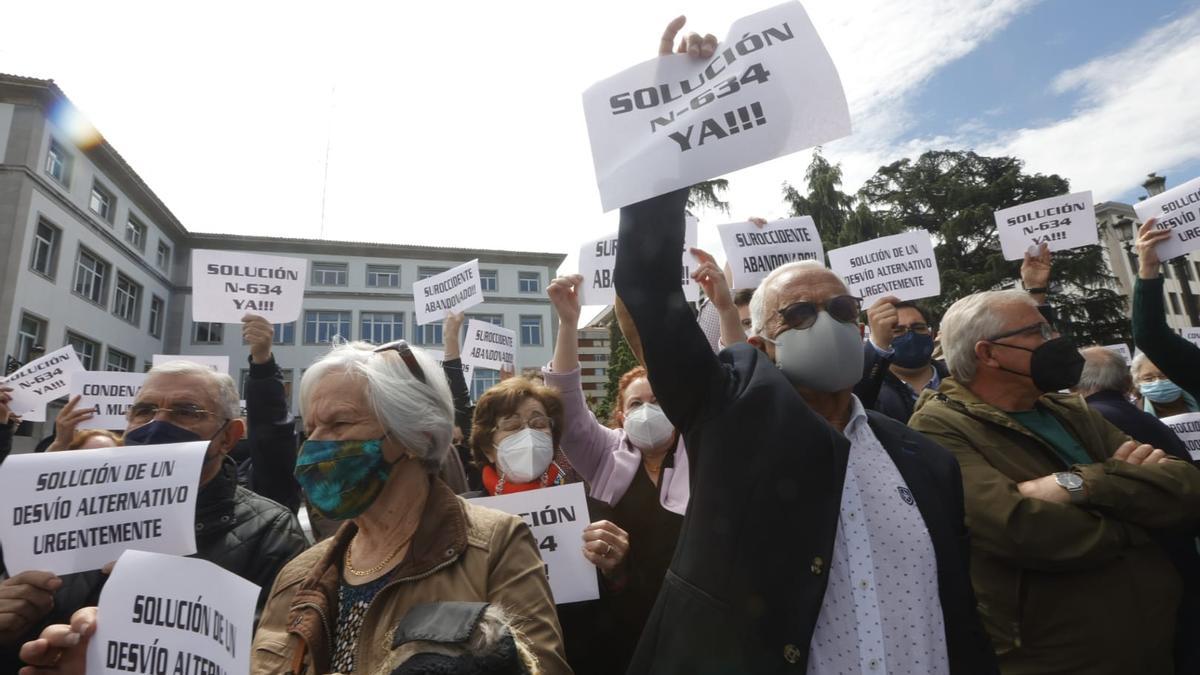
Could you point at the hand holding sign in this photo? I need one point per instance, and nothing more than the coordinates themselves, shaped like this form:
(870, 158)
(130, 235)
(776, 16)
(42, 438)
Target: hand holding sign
(1149, 238)
(24, 599)
(712, 279)
(882, 317)
(6, 413)
(260, 335)
(1177, 212)
(69, 418)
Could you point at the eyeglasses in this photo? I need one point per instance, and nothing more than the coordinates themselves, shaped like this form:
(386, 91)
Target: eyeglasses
(185, 414)
(406, 354)
(515, 423)
(918, 328)
(802, 315)
(1047, 331)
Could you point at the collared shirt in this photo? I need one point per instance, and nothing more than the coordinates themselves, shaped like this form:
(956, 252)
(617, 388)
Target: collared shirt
(881, 612)
(931, 384)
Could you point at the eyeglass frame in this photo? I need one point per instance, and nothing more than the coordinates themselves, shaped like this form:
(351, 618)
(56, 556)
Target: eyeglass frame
(406, 355)
(820, 306)
(905, 329)
(171, 412)
(1048, 333)
(524, 422)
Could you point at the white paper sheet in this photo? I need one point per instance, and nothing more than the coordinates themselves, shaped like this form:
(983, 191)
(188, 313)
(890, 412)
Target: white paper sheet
(902, 265)
(752, 252)
(1063, 222)
(227, 285)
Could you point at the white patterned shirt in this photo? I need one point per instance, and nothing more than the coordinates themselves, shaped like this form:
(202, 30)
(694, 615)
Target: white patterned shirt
(881, 612)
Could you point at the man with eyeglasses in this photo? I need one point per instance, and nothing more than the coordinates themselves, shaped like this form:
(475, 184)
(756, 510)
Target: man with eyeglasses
(1062, 506)
(898, 358)
(819, 536)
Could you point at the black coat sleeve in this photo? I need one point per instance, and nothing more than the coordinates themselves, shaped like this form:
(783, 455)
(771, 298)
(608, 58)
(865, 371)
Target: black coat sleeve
(875, 367)
(1174, 355)
(460, 393)
(272, 436)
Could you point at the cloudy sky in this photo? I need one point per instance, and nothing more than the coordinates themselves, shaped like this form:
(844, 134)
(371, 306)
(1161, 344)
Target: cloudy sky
(460, 123)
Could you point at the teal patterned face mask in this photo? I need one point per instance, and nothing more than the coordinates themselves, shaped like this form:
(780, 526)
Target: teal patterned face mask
(341, 479)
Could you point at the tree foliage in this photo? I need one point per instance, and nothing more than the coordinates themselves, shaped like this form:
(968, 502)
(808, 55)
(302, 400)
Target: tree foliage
(706, 194)
(620, 361)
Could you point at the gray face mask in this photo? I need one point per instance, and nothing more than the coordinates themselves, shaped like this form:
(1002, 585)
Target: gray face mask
(826, 356)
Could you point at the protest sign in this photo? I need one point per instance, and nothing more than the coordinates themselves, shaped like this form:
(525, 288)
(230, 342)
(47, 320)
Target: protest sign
(1177, 210)
(1193, 334)
(753, 251)
(166, 614)
(37, 383)
(1123, 350)
(108, 394)
(1187, 428)
(440, 356)
(902, 265)
(598, 259)
(489, 346)
(77, 511)
(218, 363)
(557, 517)
(1062, 222)
(770, 89)
(455, 290)
(228, 285)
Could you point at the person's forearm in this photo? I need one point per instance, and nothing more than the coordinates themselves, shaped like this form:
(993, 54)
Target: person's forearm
(450, 343)
(731, 326)
(566, 348)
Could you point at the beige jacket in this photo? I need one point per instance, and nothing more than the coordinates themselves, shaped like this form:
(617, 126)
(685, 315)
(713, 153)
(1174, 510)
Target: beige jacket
(459, 552)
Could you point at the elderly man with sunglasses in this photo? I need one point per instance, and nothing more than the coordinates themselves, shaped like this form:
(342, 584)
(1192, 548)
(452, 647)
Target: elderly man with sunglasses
(1063, 508)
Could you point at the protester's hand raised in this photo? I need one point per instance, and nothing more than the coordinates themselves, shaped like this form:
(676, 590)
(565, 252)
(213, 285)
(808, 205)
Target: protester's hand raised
(1149, 238)
(564, 295)
(259, 334)
(691, 44)
(711, 279)
(61, 649)
(66, 422)
(24, 599)
(1035, 269)
(6, 413)
(605, 545)
(882, 317)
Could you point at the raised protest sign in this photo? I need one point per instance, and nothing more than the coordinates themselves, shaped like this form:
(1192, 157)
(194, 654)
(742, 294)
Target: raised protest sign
(902, 265)
(1177, 210)
(440, 356)
(1187, 428)
(455, 290)
(37, 383)
(1123, 350)
(166, 614)
(1193, 334)
(228, 285)
(753, 251)
(557, 517)
(769, 89)
(219, 363)
(69, 512)
(489, 346)
(598, 259)
(108, 394)
(1062, 222)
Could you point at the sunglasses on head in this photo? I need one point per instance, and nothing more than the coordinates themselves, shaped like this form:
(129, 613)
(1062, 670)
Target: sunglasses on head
(802, 315)
(401, 347)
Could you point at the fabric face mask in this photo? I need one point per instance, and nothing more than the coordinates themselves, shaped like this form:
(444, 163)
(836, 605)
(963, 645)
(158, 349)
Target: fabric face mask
(525, 455)
(912, 350)
(1054, 365)
(647, 427)
(341, 479)
(1161, 391)
(159, 432)
(826, 356)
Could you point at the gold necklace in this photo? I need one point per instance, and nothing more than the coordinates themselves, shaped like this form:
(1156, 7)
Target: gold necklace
(385, 561)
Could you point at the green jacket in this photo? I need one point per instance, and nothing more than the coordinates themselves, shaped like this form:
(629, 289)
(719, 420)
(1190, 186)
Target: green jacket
(1064, 588)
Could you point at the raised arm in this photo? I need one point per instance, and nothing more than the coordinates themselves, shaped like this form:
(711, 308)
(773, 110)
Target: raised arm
(712, 280)
(271, 430)
(1174, 355)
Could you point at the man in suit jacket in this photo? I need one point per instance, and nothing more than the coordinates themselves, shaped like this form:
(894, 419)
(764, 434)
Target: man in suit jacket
(819, 536)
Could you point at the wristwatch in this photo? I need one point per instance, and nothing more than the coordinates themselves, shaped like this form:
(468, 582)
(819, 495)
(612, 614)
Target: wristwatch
(1072, 483)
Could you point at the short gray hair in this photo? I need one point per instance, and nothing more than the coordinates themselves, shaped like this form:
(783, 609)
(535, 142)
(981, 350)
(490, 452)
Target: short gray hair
(1139, 359)
(227, 399)
(758, 301)
(418, 416)
(972, 319)
(1103, 370)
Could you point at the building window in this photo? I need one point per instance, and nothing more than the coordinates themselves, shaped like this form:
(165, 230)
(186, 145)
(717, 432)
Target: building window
(483, 379)
(157, 308)
(91, 277)
(120, 361)
(31, 338)
(494, 319)
(127, 302)
(86, 349)
(162, 258)
(489, 280)
(531, 331)
(207, 333)
(45, 249)
(322, 327)
(285, 333)
(1174, 301)
(529, 282)
(287, 383)
(102, 202)
(135, 234)
(381, 327)
(329, 274)
(429, 334)
(426, 272)
(383, 276)
(58, 163)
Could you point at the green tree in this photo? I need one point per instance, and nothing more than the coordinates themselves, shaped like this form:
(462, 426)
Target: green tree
(620, 361)
(706, 194)
(841, 219)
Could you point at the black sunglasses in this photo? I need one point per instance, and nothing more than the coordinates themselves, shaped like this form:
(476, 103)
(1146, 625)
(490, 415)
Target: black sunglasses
(406, 354)
(802, 315)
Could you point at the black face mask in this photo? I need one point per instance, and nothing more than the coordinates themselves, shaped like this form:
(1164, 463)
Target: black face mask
(1055, 364)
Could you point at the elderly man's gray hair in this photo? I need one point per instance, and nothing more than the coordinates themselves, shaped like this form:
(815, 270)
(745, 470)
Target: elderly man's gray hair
(758, 311)
(418, 416)
(972, 319)
(1103, 370)
(227, 400)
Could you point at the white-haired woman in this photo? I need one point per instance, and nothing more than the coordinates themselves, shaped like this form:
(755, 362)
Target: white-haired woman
(378, 423)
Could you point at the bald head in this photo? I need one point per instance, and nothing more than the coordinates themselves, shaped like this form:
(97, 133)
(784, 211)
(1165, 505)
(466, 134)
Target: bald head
(804, 281)
(1103, 370)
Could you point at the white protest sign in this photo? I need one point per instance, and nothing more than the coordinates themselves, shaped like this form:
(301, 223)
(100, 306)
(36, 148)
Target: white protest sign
(227, 285)
(489, 346)
(219, 363)
(440, 356)
(108, 394)
(1178, 210)
(1123, 350)
(769, 89)
(902, 265)
(1062, 222)
(754, 251)
(166, 614)
(1193, 334)
(1187, 428)
(598, 259)
(455, 290)
(76, 511)
(557, 517)
(36, 384)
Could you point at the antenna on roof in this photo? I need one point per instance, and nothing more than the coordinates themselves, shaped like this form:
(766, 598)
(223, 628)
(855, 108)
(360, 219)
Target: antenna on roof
(328, 142)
